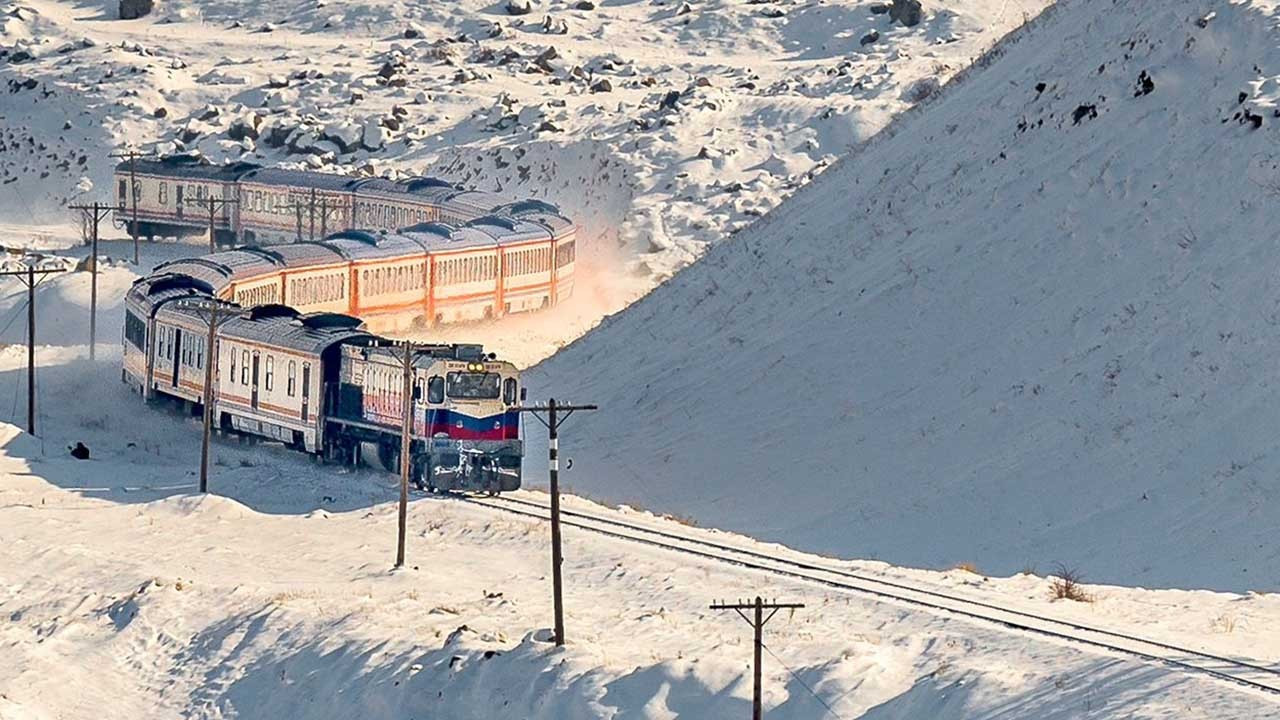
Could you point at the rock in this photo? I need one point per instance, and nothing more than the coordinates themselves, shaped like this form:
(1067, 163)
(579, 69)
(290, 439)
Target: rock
(134, 9)
(772, 12)
(266, 28)
(160, 113)
(519, 7)
(210, 112)
(684, 9)
(399, 111)
(907, 12)
(602, 85)
(245, 127)
(277, 81)
(869, 38)
(346, 135)
(879, 8)
(530, 115)
(413, 33)
(670, 101)
(921, 89)
(391, 122)
(702, 81)
(554, 26)
(548, 126)
(584, 5)
(375, 136)
(80, 452)
(420, 98)
(543, 61)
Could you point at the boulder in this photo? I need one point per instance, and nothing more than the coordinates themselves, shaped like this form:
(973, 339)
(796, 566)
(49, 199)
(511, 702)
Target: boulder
(519, 7)
(921, 89)
(134, 9)
(869, 38)
(602, 85)
(374, 136)
(907, 12)
(346, 135)
(584, 5)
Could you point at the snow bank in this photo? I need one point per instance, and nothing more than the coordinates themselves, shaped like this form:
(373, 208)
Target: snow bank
(1030, 324)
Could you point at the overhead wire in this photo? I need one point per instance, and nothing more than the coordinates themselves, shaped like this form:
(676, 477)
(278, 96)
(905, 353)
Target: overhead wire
(803, 684)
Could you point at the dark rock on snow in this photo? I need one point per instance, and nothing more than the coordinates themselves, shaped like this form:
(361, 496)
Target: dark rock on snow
(907, 12)
(134, 9)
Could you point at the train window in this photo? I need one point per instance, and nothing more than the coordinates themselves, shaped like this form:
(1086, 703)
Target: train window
(244, 367)
(123, 191)
(290, 383)
(509, 391)
(473, 386)
(200, 354)
(435, 389)
(233, 366)
(164, 193)
(270, 372)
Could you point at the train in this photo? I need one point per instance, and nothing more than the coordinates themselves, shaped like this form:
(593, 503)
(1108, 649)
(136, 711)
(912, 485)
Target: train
(322, 383)
(418, 252)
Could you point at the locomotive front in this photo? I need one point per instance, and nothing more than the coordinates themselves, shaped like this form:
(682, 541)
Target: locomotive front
(472, 425)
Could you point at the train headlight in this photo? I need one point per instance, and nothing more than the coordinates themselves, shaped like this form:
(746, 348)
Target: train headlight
(475, 367)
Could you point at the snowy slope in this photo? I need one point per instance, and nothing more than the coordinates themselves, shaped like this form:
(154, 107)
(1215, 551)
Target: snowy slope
(660, 127)
(1036, 322)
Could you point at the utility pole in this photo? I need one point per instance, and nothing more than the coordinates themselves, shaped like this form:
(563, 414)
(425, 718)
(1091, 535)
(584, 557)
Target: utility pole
(95, 213)
(553, 422)
(213, 203)
(406, 442)
(28, 277)
(132, 156)
(757, 621)
(214, 313)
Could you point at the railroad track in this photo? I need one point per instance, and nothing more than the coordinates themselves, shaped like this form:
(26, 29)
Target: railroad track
(1237, 671)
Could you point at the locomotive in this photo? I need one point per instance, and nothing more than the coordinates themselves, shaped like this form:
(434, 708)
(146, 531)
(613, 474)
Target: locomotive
(322, 383)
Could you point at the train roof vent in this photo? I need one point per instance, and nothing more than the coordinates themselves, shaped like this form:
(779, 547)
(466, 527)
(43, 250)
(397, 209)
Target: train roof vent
(241, 166)
(271, 256)
(327, 320)
(498, 220)
(531, 205)
(363, 236)
(185, 159)
(173, 281)
(469, 352)
(420, 183)
(270, 310)
(439, 228)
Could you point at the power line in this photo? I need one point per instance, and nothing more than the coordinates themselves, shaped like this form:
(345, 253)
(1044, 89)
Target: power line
(800, 680)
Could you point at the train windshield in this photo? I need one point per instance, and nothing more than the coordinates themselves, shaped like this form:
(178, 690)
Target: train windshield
(474, 386)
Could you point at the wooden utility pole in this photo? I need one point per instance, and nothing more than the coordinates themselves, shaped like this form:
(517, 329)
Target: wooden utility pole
(553, 422)
(28, 277)
(132, 156)
(212, 203)
(757, 621)
(406, 443)
(214, 313)
(95, 213)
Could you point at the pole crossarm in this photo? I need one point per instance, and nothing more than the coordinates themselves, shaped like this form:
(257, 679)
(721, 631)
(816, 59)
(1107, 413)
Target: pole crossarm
(27, 276)
(757, 620)
(133, 156)
(213, 313)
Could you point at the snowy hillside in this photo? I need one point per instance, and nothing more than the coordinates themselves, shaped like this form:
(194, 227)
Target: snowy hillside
(1035, 323)
(660, 126)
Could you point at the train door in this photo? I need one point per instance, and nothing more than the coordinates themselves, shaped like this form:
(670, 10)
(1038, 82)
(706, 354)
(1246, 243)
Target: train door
(178, 204)
(306, 391)
(254, 382)
(177, 354)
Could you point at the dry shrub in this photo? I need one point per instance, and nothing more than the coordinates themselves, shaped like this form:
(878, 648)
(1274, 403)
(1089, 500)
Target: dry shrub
(966, 567)
(1066, 585)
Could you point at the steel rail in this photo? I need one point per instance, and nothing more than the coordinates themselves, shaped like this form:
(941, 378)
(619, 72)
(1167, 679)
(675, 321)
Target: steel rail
(800, 570)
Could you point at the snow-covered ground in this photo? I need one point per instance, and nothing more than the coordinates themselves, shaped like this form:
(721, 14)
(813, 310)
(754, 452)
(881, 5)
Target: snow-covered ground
(125, 595)
(659, 126)
(1033, 322)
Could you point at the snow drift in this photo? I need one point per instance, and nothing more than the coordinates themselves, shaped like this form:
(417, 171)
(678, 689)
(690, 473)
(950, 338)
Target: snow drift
(1033, 321)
